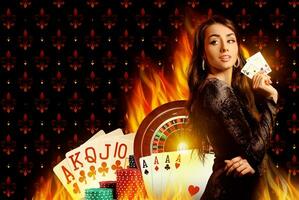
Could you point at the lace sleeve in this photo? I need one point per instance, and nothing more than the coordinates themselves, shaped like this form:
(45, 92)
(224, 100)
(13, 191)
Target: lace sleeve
(224, 105)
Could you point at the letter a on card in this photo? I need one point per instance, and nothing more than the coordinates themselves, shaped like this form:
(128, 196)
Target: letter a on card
(67, 178)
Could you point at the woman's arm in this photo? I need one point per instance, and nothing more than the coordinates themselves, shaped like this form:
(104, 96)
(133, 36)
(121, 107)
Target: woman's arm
(224, 105)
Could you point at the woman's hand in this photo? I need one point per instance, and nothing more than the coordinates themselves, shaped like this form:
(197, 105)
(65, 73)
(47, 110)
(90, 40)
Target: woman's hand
(238, 166)
(261, 82)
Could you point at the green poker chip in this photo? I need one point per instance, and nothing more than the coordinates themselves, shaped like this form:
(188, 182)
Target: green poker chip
(99, 194)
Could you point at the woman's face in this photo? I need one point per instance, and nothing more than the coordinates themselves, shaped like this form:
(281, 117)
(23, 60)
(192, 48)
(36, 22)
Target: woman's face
(221, 48)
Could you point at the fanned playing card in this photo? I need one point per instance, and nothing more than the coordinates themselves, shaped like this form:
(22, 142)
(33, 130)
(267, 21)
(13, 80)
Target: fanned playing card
(171, 164)
(146, 170)
(157, 175)
(255, 64)
(100, 158)
(177, 174)
(166, 167)
(67, 178)
(179, 162)
(77, 159)
(196, 174)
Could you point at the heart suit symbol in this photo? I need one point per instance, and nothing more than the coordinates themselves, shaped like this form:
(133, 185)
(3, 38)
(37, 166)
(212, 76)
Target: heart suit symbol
(193, 189)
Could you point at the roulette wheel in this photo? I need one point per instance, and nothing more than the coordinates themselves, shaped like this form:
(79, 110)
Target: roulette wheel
(164, 129)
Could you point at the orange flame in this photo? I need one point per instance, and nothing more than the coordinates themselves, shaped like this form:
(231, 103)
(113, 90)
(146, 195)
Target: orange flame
(277, 185)
(155, 88)
(51, 189)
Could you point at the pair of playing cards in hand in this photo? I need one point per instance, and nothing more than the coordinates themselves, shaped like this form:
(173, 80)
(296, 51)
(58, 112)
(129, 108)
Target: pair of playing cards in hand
(255, 64)
(94, 161)
(176, 175)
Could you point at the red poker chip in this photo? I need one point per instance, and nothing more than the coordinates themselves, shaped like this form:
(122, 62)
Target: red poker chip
(130, 179)
(104, 184)
(129, 183)
(129, 170)
(128, 176)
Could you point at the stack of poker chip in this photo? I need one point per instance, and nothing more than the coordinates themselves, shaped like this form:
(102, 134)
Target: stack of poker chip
(129, 184)
(99, 194)
(109, 184)
(128, 181)
(132, 163)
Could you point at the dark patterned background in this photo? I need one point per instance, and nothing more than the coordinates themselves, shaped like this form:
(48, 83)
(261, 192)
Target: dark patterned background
(67, 67)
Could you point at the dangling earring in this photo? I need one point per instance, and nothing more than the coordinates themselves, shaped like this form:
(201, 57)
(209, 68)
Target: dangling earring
(237, 64)
(203, 65)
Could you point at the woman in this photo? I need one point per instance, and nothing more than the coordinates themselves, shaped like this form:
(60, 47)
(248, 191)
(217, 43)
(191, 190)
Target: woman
(225, 112)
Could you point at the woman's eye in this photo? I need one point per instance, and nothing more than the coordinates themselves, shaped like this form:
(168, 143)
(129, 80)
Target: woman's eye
(214, 42)
(231, 41)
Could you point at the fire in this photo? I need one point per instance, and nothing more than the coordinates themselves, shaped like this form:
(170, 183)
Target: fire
(51, 189)
(277, 185)
(154, 87)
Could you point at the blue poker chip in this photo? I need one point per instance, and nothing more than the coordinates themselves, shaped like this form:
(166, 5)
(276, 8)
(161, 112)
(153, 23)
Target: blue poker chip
(99, 194)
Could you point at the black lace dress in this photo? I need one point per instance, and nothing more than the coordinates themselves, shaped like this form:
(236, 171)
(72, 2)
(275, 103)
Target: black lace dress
(233, 132)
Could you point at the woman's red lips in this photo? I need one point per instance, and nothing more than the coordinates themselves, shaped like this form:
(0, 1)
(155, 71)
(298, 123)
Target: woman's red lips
(225, 57)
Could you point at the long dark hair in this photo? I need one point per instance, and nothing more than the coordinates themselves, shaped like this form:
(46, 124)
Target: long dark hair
(197, 75)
